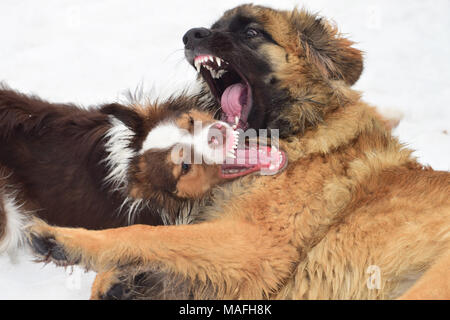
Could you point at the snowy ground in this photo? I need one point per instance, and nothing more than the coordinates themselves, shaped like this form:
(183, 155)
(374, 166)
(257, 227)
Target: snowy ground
(90, 52)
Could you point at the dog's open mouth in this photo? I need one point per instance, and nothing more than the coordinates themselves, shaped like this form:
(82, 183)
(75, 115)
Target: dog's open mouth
(262, 159)
(234, 93)
(238, 157)
(229, 86)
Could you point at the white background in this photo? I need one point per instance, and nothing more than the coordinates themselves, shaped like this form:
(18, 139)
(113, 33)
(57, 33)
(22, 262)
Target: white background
(90, 52)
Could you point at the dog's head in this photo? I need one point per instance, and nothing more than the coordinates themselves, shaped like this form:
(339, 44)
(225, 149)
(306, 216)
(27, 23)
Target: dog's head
(270, 68)
(170, 152)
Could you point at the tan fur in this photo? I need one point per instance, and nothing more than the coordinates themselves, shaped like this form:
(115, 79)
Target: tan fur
(351, 201)
(102, 283)
(364, 202)
(434, 284)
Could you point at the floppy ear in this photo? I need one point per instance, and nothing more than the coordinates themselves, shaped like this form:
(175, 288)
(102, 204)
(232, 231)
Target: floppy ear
(125, 114)
(327, 49)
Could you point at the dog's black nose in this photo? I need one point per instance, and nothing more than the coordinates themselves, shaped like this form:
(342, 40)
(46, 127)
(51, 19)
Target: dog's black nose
(193, 36)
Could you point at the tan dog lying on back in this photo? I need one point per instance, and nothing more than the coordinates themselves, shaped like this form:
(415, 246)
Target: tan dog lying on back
(353, 216)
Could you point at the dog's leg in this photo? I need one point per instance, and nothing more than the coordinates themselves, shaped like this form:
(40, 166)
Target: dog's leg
(233, 257)
(434, 284)
(107, 286)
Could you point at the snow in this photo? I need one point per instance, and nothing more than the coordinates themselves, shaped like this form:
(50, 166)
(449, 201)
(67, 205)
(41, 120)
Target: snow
(90, 52)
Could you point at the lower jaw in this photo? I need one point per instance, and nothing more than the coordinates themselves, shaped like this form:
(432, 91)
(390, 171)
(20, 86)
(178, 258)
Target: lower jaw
(229, 174)
(266, 160)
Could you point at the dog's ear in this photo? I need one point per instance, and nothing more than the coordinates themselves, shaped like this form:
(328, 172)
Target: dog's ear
(125, 114)
(327, 49)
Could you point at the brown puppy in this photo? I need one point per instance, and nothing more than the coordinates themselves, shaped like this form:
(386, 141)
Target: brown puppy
(352, 206)
(98, 168)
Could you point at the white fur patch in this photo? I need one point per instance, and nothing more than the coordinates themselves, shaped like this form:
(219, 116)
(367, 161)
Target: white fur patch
(16, 222)
(165, 136)
(120, 154)
(132, 208)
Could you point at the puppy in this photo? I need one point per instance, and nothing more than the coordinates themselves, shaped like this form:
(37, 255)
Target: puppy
(104, 167)
(353, 216)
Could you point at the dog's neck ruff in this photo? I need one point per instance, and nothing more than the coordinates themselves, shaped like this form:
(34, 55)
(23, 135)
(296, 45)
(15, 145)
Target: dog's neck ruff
(118, 141)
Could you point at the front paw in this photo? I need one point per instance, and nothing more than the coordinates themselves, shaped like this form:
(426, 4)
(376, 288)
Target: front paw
(48, 245)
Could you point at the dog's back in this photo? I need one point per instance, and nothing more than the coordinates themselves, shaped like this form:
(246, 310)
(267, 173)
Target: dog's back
(54, 165)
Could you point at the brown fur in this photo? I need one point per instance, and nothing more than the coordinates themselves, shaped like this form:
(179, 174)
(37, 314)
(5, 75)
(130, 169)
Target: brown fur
(352, 198)
(53, 153)
(352, 208)
(53, 164)
(3, 172)
(434, 284)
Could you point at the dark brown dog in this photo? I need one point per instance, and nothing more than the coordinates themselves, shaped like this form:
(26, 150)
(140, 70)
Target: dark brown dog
(101, 167)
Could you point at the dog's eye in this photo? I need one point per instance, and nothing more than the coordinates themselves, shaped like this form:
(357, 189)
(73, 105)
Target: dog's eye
(251, 33)
(185, 167)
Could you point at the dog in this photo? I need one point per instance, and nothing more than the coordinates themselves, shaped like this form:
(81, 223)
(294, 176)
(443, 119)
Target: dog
(107, 166)
(353, 216)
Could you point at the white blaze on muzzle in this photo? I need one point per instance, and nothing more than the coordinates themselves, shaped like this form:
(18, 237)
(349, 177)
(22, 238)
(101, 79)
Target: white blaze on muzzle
(212, 144)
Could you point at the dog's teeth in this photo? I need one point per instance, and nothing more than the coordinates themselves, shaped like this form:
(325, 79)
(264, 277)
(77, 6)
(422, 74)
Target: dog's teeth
(236, 120)
(211, 58)
(197, 66)
(230, 154)
(218, 62)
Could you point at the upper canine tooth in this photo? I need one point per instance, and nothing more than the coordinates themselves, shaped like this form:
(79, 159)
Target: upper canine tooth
(218, 61)
(197, 65)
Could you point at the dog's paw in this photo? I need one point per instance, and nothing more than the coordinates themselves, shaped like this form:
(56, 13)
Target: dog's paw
(43, 240)
(47, 249)
(126, 286)
(118, 291)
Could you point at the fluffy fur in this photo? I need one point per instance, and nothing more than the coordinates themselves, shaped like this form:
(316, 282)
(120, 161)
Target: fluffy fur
(352, 200)
(86, 167)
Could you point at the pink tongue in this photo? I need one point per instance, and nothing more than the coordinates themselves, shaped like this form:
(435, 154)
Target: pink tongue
(232, 101)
